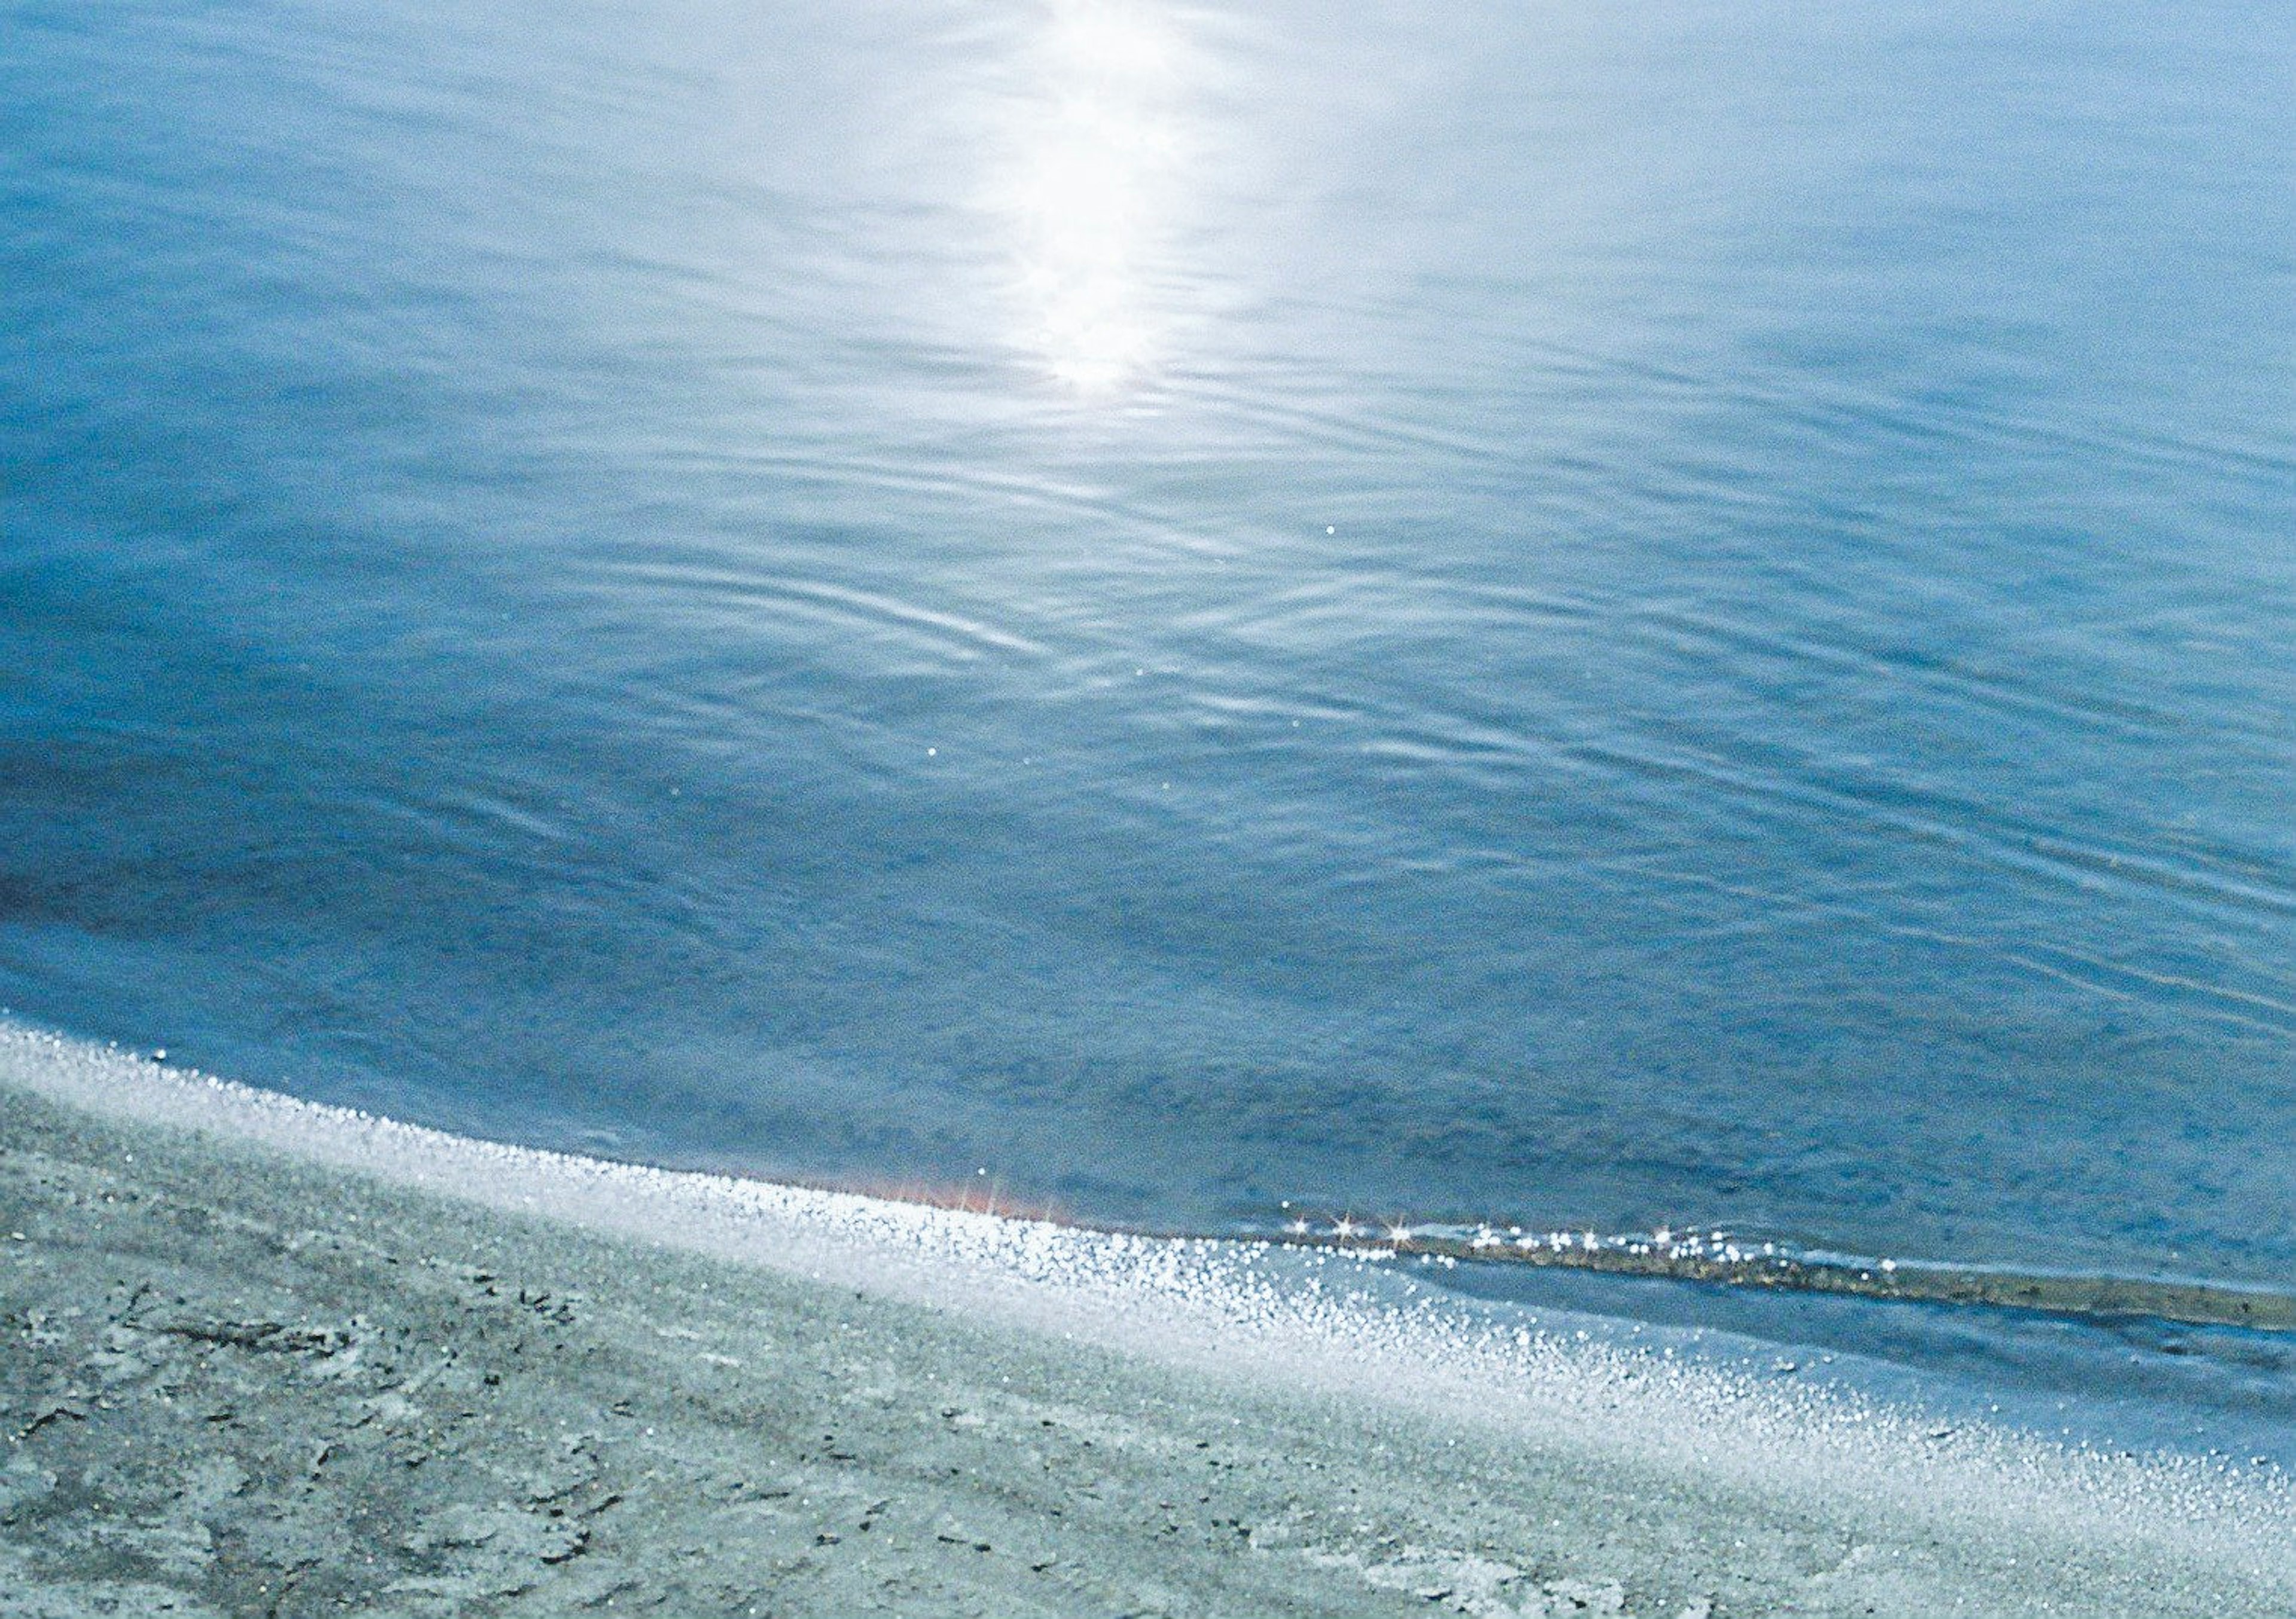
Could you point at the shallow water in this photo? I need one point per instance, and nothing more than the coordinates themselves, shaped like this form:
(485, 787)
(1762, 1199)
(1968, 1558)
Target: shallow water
(1681, 615)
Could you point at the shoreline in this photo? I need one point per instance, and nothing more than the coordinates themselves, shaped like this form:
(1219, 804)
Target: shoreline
(324, 1362)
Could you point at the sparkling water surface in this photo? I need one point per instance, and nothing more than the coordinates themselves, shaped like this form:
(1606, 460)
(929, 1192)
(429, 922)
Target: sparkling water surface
(1670, 612)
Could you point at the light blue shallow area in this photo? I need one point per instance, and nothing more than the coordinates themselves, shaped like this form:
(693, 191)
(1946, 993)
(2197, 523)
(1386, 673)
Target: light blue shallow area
(1592, 617)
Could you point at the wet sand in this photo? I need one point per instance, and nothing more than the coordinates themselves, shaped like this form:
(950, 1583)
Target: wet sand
(309, 1375)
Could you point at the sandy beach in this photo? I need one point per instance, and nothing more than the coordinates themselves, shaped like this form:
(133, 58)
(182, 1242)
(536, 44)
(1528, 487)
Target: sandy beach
(262, 1358)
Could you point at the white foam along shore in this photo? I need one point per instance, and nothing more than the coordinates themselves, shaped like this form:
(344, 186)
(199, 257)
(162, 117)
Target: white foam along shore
(1405, 1443)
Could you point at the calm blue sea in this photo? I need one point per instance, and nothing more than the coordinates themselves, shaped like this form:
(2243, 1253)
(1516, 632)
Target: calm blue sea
(1587, 616)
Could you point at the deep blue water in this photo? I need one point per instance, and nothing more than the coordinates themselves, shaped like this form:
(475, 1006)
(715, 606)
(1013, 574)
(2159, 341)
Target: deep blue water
(1655, 613)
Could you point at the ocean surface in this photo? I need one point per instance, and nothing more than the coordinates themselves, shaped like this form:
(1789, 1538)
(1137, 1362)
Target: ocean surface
(1603, 619)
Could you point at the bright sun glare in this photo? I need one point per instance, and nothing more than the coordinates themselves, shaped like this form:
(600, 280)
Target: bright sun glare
(1097, 152)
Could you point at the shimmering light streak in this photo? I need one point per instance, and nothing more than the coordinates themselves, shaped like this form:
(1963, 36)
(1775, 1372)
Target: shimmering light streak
(1092, 183)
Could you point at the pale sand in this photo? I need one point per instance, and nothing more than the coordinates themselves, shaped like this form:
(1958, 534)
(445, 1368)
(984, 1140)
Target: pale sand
(297, 1362)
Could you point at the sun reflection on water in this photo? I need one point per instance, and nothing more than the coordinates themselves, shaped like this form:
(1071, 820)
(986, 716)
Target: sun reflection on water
(1094, 163)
